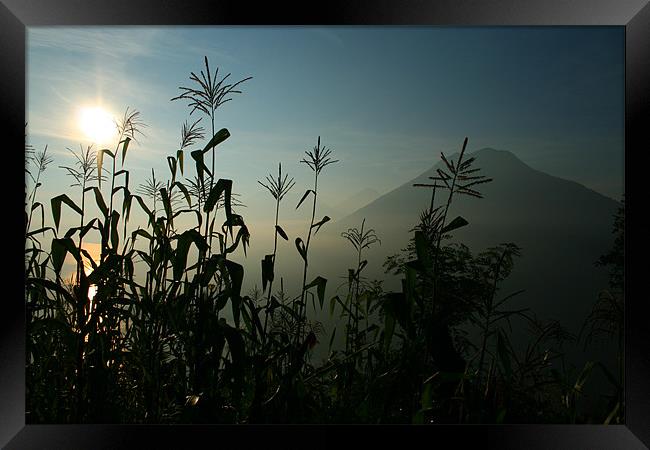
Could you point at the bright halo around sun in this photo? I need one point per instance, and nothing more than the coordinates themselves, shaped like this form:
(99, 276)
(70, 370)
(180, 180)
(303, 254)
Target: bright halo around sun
(97, 124)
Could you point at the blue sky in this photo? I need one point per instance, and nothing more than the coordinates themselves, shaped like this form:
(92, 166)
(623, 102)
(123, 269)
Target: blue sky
(386, 100)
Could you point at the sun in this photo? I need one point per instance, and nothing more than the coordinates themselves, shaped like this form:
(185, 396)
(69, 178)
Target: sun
(97, 124)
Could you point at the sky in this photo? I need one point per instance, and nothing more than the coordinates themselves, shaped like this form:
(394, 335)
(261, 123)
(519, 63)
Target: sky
(385, 100)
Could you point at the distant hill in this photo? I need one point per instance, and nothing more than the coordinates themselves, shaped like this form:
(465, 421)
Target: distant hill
(561, 226)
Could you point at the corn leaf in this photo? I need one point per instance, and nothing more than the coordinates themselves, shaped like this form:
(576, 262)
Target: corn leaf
(281, 232)
(179, 157)
(217, 139)
(179, 262)
(320, 284)
(56, 207)
(300, 245)
(320, 224)
(304, 197)
(458, 222)
(125, 146)
(224, 187)
(267, 271)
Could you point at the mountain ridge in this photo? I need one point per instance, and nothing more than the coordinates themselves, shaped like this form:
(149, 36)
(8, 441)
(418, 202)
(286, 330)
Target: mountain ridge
(562, 227)
(505, 155)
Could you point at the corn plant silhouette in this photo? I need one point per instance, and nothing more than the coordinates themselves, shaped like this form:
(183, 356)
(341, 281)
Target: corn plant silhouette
(207, 97)
(41, 160)
(360, 239)
(128, 128)
(135, 350)
(33, 247)
(105, 346)
(424, 308)
(278, 188)
(316, 160)
(83, 173)
(210, 94)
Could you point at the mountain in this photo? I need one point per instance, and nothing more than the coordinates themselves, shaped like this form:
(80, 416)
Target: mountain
(561, 226)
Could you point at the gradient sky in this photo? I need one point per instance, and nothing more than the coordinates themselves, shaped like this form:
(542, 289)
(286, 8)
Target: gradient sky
(386, 100)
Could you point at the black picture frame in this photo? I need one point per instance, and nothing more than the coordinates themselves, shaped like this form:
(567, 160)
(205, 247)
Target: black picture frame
(634, 15)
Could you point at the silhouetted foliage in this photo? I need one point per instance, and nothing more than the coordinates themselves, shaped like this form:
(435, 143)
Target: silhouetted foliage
(184, 344)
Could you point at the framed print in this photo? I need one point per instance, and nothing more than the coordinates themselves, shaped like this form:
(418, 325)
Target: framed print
(272, 225)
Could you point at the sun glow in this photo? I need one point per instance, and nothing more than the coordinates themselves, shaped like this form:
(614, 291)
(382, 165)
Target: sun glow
(97, 124)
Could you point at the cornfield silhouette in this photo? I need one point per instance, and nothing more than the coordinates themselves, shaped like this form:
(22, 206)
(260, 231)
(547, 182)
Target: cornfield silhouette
(183, 344)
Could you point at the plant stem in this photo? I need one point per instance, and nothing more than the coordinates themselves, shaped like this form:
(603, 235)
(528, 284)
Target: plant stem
(275, 249)
(81, 224)
(303, 305)
(208, 234)
(356, 293)
(33, 198)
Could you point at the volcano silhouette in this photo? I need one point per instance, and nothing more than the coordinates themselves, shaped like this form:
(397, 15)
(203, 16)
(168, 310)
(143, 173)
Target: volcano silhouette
(561, 226)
